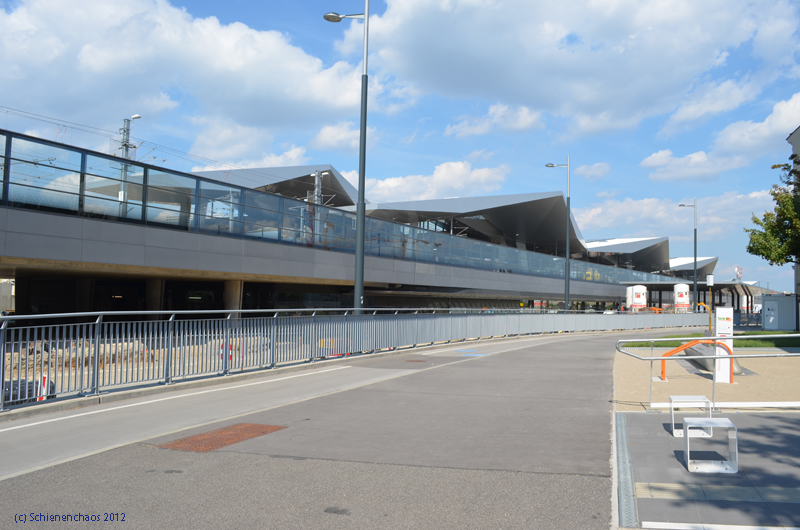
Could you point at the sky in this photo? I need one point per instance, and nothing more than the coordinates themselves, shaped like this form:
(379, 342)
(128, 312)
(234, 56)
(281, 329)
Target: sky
(656, 102)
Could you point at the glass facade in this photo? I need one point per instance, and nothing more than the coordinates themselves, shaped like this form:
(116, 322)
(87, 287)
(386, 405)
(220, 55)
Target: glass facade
(49, 176)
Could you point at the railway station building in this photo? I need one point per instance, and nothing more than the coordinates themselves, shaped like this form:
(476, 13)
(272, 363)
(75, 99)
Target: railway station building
(84, 231)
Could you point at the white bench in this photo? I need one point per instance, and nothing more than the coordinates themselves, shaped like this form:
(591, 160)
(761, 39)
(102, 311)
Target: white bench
(693, 402)
(711, 466)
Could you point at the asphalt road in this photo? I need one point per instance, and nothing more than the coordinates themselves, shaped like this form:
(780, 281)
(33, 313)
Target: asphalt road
(505, 434)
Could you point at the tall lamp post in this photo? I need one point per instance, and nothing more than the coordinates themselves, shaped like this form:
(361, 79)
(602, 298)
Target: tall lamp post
(358, 288)
(566, 262)
(126, 145)
(694, 205)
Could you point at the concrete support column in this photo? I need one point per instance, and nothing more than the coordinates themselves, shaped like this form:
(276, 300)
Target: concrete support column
(154, 296)
(232, 295)
(85, 295)
(22, 296)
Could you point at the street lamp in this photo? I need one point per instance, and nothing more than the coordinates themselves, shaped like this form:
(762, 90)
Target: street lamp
(695, 248)
(358, 287)
(566, 262)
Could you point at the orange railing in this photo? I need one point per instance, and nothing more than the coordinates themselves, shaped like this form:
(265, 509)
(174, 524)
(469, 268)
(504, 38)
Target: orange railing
(687, 346)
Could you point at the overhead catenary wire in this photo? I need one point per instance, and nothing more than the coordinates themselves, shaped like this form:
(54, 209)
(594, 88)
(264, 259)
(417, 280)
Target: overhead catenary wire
(244, 173)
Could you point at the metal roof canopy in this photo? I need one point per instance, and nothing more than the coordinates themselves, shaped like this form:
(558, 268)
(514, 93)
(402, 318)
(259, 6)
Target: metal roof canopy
(528, 218)
(290, 181)
(649, 254)
(705, 266)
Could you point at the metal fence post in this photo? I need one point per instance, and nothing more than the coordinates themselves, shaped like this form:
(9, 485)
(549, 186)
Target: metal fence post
(273, 335)
(416, 328)
(376, 333)
(3, 368)
(227, 347)
(313, 348)
(170, 336)
(96, 360)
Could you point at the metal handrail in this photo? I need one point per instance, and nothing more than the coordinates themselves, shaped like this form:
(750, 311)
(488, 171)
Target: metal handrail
(714, 340)
(102, 351)
(392, 310)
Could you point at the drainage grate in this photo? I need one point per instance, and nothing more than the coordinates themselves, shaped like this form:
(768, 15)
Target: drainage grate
(211, 440)
(628, 514)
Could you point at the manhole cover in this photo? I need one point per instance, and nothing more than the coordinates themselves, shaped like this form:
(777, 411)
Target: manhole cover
(416, 361)
(216, 439)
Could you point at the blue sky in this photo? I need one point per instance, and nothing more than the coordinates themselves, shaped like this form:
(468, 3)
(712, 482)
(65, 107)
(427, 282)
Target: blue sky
(656, 101)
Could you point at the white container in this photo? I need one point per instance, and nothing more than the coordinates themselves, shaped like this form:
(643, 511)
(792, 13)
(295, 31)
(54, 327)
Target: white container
(628, 298)
(639, 298)
(681, 297)
(779, 313)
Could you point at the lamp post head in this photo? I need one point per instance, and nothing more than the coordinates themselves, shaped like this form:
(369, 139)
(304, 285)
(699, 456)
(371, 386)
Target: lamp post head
(333, 17)
(135, 117)
(549, 165)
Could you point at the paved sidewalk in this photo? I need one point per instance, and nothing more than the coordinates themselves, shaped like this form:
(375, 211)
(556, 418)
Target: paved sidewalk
(765, 493)
(657, 490)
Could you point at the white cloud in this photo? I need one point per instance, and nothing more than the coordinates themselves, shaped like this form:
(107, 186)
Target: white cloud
(718, 217)
(595, 171)
(450, 179)
(150, 57)
(240, 146)
(712, 98)
(294, 156)
(480, 156)
(469, 127)
(607, 64)
(607, 194)
(661, 158)
(760, 138)
(502, 116)
(736, 146)
(227, 141)
(514, 119)
(343, 136)
(694, 165)
(351, 177)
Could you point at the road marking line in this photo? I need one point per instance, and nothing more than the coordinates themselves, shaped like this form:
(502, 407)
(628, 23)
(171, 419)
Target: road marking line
(169, 398)
(432, 352)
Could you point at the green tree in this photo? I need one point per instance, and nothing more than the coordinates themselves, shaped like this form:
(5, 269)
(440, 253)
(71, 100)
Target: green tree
(777, 236)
